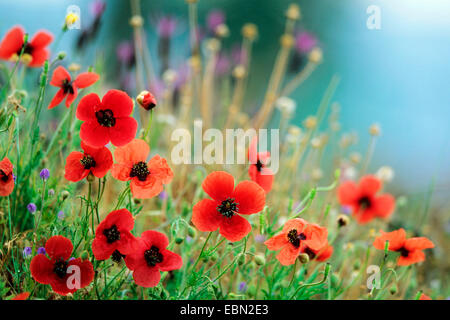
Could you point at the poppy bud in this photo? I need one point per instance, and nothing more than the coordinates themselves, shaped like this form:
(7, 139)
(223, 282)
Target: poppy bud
(136, 201)
(393, 289)
(179, 240)
(342, 220)
(90, 178)
(61, 55)
(146, 100)
(84, 255)
(65, 194)
(214, 257)
(303, 258)
(191, 232)
(241, 259)
(260, 260)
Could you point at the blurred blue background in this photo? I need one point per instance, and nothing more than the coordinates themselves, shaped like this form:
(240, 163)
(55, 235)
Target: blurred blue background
(397, 76)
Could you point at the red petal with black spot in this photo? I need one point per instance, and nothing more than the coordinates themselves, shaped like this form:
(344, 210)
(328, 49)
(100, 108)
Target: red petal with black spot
(63, 275)
(114, 233)
(150, 257)
(97, 161)
(107, 120)
(6, 177)
(228, 203)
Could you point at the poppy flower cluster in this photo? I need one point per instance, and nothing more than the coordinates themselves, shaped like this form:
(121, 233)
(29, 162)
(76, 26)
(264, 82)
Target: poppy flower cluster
(258, 170)
(68, 88)
(228, 203)
(299, 236)
(410, 249)
(363, 200)
(64, 274)
(6, 177)
(34, 52)
(146, 256)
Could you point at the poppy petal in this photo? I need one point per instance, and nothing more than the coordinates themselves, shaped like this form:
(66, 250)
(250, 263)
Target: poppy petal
(146, 191)
(103, 162)
(276, 242)
(135, 151)
(205, 216)
(118, 102)
(146, 277)
(384, 205)
(39, 57)
(265, 180)
(413, 257)
(59, 75)
(41, 269)
(250, 197)
(86, 271)
(123, 131)
(418, 243)
(59, 247)
(86, 107)
(11, 43)
(121, 171)
(86, 79)
(160, 169)
(171, 261)
(234, 228)
(155, 238)
(74, 170)
(369, 185)
(287, 255)
(94, 134)
(396, 240)
(219, 185)
(59, 96)
(41, 39)
(71, 97)
(22, 296)
(348, 193)
(297, 224)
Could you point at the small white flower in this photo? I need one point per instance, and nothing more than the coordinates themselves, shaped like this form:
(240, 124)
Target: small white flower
(286, 105)
(385, 174)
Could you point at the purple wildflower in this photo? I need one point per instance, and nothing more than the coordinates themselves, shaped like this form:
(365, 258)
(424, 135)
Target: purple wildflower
(166, 26)
(97, 8)
(243, 286)
(260, 238)
(305, 42)
(27, 252)
(41, 250)
(163, 195)
(61, 215)
(45, 174)
(31, 207)
(125, 52)
(346, 209)
(222, 65)
(215, 18)
(51, 192)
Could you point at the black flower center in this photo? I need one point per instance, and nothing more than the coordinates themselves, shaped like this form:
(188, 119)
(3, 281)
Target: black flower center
(295, 238)
(88, 162)
(259, 165)
(3, 176)
(60, 268)
(27, 49)
(228, 207)
(112, 234)
(403, 252)
(310, 253)
(117, 256)
(153, 256)
(365, 202)
(67, 86)
(140, 170)
(105, 118)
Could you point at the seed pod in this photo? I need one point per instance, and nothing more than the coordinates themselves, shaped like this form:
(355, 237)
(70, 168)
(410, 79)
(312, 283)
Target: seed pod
(192, 232)
(303, 258)
(65, 194)
(260, 260)
(241, 259)
(179, 240)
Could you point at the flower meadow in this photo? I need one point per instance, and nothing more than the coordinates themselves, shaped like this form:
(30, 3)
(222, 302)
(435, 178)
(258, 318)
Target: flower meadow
(93, 204)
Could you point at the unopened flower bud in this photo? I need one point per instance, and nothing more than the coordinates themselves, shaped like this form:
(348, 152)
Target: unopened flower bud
(179, 240)
(146, 100)
(65, 194)
(250, 31)
(241, 260)
(293, 12)
(303, 258)
(375, 129)
(315, 56)
(342, 220)
(84, 255)
(136, 21)
(393, 289)
(260, 260)
(192, 232)
(90, 178)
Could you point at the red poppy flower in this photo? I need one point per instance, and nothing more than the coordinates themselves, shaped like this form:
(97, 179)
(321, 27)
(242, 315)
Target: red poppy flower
(68, 88)
(107, 120)
(297, 236)
(65, 276)
(150, 257)
(258, 171)
(97, 161)
(147, 178)
(146, 100)
(6, 177)
(113, 236)
(410, 249)
(34, 53)
(227, 205)
(423, 296)
(362, 198)
(22, 296)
